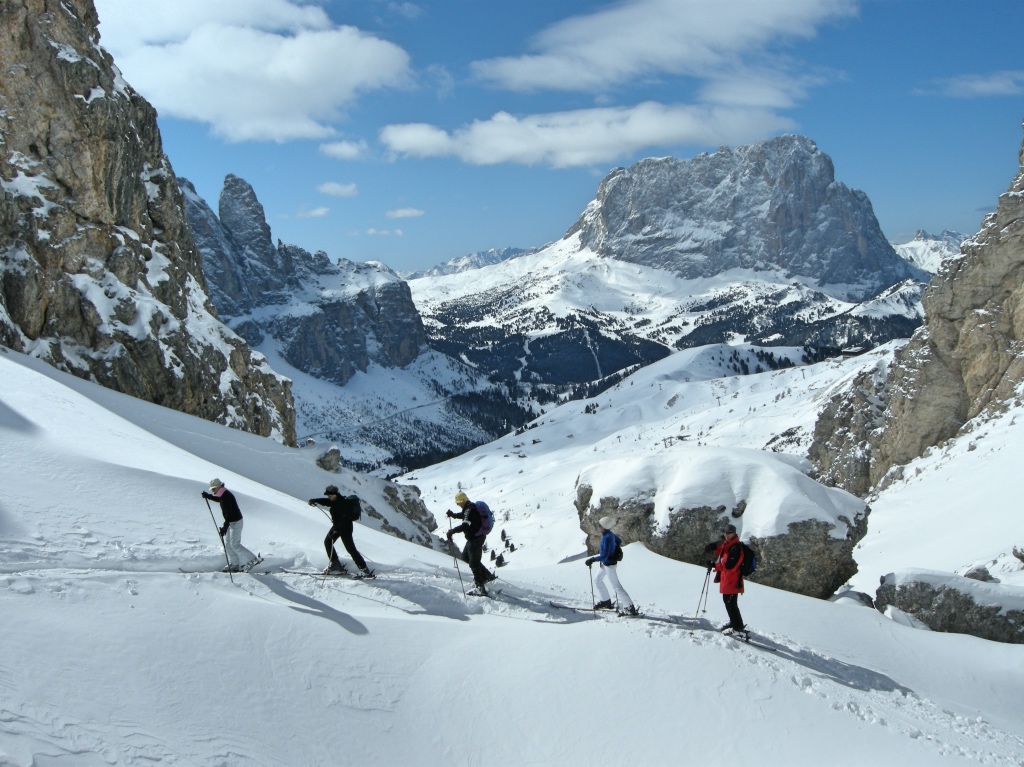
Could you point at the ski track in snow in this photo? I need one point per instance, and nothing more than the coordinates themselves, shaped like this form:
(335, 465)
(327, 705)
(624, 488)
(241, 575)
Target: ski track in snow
(869, 697)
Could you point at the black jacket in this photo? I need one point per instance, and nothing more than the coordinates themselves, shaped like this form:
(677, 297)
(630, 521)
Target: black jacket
(344, 508)
(228, 505)
(471, 527)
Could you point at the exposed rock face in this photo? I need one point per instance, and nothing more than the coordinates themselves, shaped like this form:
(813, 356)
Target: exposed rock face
(100, 275)
(771, 205)
(965, 359)
(954, 604)
(802, 555)
(329, 320)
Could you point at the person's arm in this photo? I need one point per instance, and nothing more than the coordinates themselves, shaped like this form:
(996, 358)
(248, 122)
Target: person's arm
(320, 501)
(732, 560)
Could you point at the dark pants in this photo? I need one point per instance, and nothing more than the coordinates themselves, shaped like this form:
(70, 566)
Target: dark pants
(343, 530)
(474, 554)
(731, 607)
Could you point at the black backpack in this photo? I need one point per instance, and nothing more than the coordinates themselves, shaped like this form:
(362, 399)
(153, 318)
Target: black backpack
(749, 563)
(617, 554)
(351, 509)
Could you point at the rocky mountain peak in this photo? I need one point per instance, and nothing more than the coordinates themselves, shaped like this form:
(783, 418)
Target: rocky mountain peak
(771, 206)
(100, 274)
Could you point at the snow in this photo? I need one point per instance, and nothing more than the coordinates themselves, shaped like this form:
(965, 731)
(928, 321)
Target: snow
(112, 656)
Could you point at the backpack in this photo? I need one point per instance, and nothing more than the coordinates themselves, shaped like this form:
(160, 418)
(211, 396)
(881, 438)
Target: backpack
(351, 509)
(749, 563)
(617, 554)
(486, 519)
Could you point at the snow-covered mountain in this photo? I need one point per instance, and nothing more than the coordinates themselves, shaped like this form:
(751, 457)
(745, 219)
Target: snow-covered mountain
(350, 339)
(929, 251)
(758, 244)
(112, 656)
(466, 263)
(774, 207)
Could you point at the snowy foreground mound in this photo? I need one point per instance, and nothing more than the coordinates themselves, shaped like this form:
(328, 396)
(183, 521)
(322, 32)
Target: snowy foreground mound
(111, 656)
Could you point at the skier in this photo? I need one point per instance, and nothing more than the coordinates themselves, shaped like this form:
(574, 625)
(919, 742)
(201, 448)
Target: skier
(474, 529)
(610, 544)
(728, 558)
(345, 510)
(231, 530)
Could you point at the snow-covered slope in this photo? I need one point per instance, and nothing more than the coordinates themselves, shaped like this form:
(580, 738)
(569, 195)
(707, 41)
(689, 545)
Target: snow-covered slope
(690, 400)
(111, 656)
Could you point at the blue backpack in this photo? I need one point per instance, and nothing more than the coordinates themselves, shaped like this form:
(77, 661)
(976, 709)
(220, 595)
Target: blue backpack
(486, 519)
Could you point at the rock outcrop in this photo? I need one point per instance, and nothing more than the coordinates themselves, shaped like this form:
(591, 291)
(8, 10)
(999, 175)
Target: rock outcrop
(961, 605)
(99, 272)
(964, 360)
(330, 320)
(804, 533)
(773, 205)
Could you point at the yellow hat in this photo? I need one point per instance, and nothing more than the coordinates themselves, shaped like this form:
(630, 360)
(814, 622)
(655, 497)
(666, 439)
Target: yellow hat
(461, 498)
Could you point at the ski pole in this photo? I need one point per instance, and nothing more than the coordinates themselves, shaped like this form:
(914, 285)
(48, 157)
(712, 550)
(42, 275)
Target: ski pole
(593, 602)
(703, 593)
(456, 561)
(225, 548)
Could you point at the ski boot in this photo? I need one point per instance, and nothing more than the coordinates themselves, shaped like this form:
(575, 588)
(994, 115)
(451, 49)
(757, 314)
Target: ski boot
(252, 564)
(605, 605)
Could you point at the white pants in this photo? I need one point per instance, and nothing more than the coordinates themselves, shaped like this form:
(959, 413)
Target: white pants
(238, 555)
(620, 593)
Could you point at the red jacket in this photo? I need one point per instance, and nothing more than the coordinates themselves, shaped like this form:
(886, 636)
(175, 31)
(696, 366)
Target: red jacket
(729, 556)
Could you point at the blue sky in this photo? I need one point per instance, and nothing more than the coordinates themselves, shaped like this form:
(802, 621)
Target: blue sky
(414, 132)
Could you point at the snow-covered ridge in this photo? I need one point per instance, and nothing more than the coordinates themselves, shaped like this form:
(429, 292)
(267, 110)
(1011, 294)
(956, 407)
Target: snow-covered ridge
(929, 251)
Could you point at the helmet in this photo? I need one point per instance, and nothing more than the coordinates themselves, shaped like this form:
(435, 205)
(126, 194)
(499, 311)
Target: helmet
(331, 490)
(215, 483)
(461, 498)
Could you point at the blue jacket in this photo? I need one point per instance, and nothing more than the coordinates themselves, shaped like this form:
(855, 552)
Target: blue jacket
(609, 542)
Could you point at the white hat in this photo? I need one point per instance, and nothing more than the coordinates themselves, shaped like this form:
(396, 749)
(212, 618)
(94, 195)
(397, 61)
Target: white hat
(215, 483)
(606, 522)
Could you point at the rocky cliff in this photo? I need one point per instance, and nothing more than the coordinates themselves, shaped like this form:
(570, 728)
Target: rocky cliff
(963, 361)
(771, 206)
(99, 272)
(330, 320)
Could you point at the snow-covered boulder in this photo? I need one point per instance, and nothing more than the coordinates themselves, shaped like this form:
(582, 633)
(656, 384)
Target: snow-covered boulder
(956, 604)
(676, 504)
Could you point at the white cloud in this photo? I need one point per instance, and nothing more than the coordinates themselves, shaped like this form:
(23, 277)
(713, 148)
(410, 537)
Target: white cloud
(384, 232)
(314, 213)
(345, 150)
(335, 189)
(584, 137)
(404, 213)
(644, 38)
(251, 69)
(1006, 83)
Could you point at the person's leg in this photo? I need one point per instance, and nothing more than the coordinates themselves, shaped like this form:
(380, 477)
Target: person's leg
(732, 607)
(242, 556)
(602, 590)
(474, 551)
(332, 555)
(620, 593)
(345, 533)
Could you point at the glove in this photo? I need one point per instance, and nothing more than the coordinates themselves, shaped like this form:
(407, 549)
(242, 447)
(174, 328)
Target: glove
(449, 514)
(312, 502)
(206, 495)
(223, 530)
(590, 562)
(449, 535)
